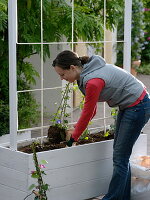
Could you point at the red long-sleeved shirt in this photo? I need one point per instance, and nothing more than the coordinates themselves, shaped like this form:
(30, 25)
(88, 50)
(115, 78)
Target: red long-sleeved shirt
(93, 90)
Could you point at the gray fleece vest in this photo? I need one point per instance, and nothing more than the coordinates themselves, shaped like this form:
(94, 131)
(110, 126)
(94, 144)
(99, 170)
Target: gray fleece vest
(121, 88)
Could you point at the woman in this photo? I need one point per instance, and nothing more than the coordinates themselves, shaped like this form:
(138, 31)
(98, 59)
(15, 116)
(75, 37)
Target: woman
(100, 81)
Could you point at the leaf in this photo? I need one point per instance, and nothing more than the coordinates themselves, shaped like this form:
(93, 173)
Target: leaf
(43, 162)
(35, 176)
(90, 122)
(45, 187)
(32, 186)
(107, 134)
(42, 172)
(66, 121)
(3, 5)
(29, 4)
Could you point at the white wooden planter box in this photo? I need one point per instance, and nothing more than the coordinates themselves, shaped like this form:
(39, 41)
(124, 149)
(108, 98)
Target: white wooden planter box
(75, 173)
(5, 139)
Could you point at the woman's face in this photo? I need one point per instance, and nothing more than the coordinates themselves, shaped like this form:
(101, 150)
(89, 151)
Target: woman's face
(69, 75)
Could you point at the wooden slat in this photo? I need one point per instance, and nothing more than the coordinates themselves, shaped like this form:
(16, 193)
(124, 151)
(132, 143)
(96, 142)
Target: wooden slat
(13, 178)
(8, 193)
(75, 155)
(80, 191)
(14, 159)
(77, 173)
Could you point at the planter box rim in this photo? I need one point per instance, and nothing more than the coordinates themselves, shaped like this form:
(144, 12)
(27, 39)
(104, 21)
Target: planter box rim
(4, 145)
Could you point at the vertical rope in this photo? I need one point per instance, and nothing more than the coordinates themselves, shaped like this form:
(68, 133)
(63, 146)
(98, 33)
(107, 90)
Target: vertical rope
(42, 78)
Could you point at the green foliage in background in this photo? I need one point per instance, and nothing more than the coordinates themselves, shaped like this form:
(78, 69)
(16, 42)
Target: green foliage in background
(4, 108)
(4, 120)
(137, 34)
(144, 69)
(95, 8)
(92, 28)
(145, 56)
(57, 24)
(57, 19)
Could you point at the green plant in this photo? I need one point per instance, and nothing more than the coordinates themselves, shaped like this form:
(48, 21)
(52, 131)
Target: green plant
(96, 8)
(59, 118)
(57, 17)
(137, 33)
(41, 188)
(3, 14)
(137, 29)
(145, 56)
(111, 130)
(114, 113)
(4, 117)
(92, 27)
(27, 106)
(85, 134)
(144, 69)
(107, 133)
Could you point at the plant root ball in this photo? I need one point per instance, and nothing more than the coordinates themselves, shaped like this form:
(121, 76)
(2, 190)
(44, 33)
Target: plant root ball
(56, 134)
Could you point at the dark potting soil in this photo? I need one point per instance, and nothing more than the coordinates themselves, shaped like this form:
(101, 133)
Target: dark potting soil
(56, 134)
(55, 140)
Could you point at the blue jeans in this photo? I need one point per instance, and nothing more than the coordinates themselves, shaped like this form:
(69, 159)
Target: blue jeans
(130, 122)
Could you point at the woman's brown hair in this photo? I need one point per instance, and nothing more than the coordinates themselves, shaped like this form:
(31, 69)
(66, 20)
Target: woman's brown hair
(67, 58)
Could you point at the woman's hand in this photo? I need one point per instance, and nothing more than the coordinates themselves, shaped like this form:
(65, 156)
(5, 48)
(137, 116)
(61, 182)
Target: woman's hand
(69, 133)
(69, 139)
